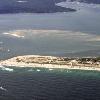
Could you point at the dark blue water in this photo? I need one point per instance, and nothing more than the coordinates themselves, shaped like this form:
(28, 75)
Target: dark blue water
(44, 84)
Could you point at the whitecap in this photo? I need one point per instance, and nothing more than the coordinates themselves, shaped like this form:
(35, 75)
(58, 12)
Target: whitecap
(30, 70)
(8, 50)
(38, 70)
(1, 88)
(68, 71)
(7, 69)
(50, 69)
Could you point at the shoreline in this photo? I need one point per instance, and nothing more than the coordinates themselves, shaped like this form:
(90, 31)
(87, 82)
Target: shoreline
(50, 62)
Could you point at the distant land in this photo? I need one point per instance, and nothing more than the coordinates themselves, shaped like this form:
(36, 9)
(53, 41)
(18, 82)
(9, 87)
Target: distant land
(87, 1)
(37, 6)
(32, 6)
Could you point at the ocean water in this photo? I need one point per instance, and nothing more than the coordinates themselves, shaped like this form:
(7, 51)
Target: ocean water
(67, 34)
(82, 36)
(47, 84)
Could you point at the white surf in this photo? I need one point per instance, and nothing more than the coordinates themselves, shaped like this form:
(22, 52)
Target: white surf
(7, 69)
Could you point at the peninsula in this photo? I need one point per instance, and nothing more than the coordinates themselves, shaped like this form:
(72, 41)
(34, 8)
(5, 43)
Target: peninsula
(32, 6)
(86, 63)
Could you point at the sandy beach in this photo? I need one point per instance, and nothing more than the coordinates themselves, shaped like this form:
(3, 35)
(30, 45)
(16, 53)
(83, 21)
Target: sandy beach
(48, 62)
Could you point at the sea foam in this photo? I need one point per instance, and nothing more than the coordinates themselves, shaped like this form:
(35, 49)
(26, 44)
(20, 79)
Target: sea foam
(6, 69)
(1, 88)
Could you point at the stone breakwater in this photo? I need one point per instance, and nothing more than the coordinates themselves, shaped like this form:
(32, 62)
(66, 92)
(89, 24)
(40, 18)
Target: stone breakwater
(53, 62)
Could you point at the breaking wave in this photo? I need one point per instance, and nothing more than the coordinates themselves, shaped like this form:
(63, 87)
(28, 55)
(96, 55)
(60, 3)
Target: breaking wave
(3, 89)
(6, 69)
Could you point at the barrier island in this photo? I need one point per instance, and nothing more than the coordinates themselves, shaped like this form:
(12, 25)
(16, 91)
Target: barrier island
(84, 63)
